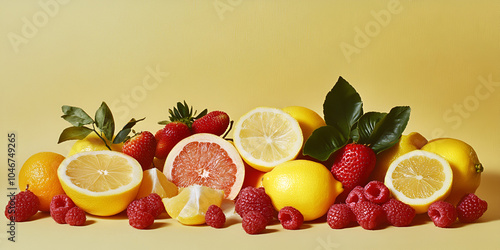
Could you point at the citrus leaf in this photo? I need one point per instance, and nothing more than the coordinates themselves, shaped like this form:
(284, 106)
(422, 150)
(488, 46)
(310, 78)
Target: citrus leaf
(76, 116)
(74, 133)
(324, 141)
(389, 129)
(123, 134)
(104, 121)
(342, 107)
(367, 124)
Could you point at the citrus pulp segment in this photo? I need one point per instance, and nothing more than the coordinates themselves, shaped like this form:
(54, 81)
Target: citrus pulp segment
(419, 178)
(207, 160)
(155, 181)
(101, 183)
(266, 137)
(191, 204)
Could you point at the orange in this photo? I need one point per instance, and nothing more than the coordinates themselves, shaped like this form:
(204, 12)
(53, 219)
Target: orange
(40, 173)
(207, 160)
(253, 177)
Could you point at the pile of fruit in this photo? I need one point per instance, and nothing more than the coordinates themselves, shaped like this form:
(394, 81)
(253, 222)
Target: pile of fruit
(291, 165)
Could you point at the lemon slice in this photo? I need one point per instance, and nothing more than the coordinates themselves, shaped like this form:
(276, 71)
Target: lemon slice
(155, 181)
(266, 137)
(101, 183)
(419, 178)
(191, 204)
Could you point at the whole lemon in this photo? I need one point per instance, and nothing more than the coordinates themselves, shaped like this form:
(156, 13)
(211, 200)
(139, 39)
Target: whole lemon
(464, 163)
(407, 143)
(93, 143)
(308, 119)
(39, 171)
(305, 185)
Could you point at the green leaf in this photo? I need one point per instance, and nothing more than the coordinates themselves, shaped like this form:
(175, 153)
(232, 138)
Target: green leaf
(74, 133)
(323, 142)
(367, 124)
(104, 121)
(76, 116)
(342, 107)
(389, 129)
(122, 136)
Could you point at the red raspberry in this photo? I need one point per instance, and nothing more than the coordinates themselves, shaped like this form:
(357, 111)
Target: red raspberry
(59, 206)
(141, 220)
(377, 192)
(22, 206)
(470, 208)
(75, 217)
(254, 199)
(442, 213)
(137, 206)
(356, 195)
(290, 218)
(154, 204)
(340, 216)
(214, 217)
(254, 222)
(398, 213)
(368, 214)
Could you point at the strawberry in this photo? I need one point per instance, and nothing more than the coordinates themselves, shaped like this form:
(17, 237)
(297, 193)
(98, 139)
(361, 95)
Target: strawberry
(141, 147)
(169, 136)
(352, 165)
(215, 122)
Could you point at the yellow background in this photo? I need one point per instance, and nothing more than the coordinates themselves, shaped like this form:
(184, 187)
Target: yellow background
(442, 59)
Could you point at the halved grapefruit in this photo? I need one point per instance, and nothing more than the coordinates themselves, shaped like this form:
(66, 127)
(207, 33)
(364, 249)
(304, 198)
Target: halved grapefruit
(206, 160)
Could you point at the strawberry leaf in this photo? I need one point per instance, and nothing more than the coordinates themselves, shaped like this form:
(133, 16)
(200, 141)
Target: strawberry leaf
(389, 129)
(74, 133)
(366, 125)
(104, 121)
(76, 116)
(342, 107)
(324, 141)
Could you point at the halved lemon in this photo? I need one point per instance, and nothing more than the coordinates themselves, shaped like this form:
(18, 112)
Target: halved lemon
(101, 183)
(191, 204)
(267, 137)
(155, 181)
(419, 178)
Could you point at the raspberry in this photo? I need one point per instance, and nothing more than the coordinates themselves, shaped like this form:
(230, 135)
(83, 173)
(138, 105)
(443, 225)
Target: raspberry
(154, 204)
(59, 206)
(470, 208)
(398, 213)
(214, 217)
(339, 216)
(368, 214)
(141, 219)
(376, 192)
(442, 213)
(75, 217)
(356, 195)
(254, 222)
(137, 206)
(22, 206)
(254, 199)
(290, 218)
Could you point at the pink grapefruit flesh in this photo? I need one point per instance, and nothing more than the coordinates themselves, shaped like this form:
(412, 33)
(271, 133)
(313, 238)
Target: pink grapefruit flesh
(207, 160)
